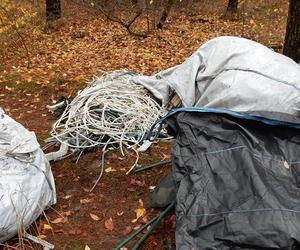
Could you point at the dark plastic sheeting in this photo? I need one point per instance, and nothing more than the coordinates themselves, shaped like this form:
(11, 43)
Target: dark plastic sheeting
(237, 177)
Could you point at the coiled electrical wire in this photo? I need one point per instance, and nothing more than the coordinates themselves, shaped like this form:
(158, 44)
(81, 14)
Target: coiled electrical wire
(112, 109)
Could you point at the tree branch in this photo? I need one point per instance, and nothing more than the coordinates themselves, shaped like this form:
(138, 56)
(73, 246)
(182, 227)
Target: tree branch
(126, 25)
(19, 34)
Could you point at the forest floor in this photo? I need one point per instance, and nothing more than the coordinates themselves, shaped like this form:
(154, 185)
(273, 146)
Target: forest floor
(48, 63)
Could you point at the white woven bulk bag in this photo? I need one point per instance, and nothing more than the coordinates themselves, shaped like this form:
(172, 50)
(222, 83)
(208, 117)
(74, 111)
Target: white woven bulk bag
(26, 181)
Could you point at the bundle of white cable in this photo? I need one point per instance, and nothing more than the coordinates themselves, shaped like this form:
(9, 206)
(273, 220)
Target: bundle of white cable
(111, 109)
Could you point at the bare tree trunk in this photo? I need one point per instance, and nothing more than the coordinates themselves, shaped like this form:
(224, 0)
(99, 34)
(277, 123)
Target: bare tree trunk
(232, 5)
(292, 36)
(53, 10)
(165, 13)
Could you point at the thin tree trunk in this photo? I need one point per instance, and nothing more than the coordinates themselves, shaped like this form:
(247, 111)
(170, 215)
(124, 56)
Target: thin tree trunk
(53, 10)
(232, 5)
(165, 14)
(292, 36)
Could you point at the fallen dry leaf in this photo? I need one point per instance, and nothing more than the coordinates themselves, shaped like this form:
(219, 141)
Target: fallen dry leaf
(137, 183)
(8, 88)
(140, 212)
(47, 227)
(67, 197)
(59, 231)
(141, 203)
(109, 224)
(120, 213)
(85, 201)
(286, 164)
(42, 236)
(29, 79)
(127, 230)
(87, 247)
(59, 220)
(137, 227)
(110, 169)
(95, 217)
(145, 219)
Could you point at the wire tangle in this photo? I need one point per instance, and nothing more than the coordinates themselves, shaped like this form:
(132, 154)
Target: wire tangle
(111, 110)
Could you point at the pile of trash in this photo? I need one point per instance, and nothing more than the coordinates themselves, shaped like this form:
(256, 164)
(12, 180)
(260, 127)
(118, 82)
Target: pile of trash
(26, 181)
(236, 150)
(235, 160)
(111, 112)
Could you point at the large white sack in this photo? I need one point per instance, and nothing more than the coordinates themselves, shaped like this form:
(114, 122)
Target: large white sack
(232, 73)
(26, 181)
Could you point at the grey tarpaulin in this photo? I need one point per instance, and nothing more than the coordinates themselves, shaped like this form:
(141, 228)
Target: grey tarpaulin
(26, 182)
(238, 179)
(233, 73)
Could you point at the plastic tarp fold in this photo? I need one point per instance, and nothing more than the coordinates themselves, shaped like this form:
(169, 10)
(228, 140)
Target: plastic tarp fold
(238, 179)
(26, 181)
(232, 73)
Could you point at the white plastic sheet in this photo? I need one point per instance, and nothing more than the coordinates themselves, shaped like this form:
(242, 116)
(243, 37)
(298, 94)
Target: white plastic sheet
(232, 73)
(26, 181)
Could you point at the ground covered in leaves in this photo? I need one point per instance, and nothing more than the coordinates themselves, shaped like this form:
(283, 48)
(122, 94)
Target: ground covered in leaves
(40, 63)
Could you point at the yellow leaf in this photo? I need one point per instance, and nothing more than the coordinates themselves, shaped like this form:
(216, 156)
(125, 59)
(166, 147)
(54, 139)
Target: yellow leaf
(47, 227)
(109, 169)
(140, 212)
(94, 217)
